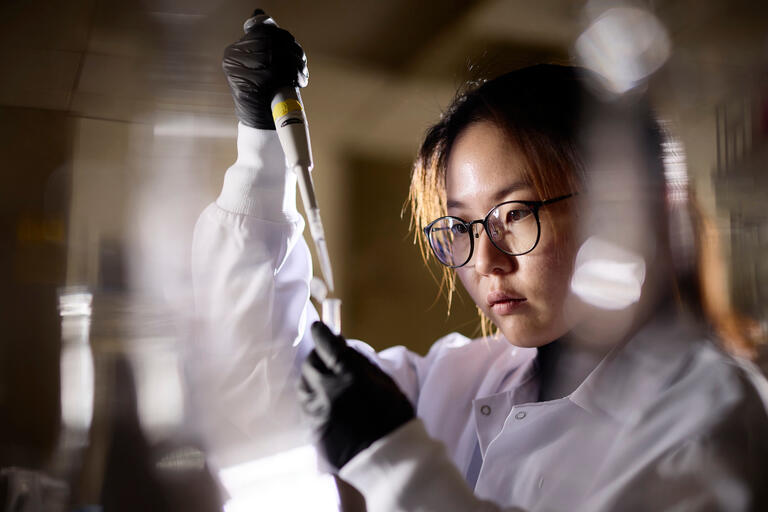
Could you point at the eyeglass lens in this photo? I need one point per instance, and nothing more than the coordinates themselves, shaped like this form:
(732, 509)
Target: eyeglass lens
(512, 226)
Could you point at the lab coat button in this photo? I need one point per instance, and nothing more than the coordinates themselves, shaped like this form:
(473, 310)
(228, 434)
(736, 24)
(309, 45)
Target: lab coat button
(485, 410)
(520, 415)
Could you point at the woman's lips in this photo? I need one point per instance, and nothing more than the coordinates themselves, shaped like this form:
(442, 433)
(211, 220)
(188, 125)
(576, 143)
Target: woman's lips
(503, 303)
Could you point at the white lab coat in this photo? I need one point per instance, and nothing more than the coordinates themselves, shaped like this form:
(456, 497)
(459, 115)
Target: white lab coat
(667, 422)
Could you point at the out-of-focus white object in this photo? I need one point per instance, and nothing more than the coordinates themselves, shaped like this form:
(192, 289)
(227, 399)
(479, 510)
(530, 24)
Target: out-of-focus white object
(606, 275)
(182, 459)
(271, 483)
(159, 389)
(624, 46)
(317, 289)
(76, 359)
(75, 303)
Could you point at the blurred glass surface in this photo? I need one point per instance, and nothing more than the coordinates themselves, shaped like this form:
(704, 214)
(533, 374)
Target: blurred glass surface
(117, 127)
(270, 483)
(624, 44)
(76, 360)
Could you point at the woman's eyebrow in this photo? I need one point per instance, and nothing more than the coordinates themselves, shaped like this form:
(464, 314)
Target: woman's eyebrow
(498, 196)
(514, 187)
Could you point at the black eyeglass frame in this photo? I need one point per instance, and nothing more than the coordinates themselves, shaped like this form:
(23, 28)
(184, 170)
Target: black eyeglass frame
(533, 205)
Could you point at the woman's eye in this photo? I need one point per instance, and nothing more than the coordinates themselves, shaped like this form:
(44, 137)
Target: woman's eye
(459, 229)
(517, 215)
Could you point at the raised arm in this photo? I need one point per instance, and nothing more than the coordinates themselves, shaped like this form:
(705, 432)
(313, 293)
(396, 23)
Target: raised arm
(251, 268)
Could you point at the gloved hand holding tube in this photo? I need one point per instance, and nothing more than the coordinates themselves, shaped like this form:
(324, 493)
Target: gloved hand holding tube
(351, 402)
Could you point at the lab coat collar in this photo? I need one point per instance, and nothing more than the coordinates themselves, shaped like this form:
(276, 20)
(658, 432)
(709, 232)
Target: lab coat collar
(629, 379)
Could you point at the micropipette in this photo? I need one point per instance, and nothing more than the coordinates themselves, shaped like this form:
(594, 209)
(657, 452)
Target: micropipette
(293, 132)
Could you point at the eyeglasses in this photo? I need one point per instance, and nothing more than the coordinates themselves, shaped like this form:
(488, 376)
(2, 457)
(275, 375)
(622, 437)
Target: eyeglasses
(513, 227)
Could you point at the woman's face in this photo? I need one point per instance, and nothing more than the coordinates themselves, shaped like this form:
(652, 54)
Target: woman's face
(524, 295)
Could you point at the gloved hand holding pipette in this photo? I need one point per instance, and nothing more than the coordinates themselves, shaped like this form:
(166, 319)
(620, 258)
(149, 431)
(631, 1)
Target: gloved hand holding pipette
(266, 68)
(264, 60)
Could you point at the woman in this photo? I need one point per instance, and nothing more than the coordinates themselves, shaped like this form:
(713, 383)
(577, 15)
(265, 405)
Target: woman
(550, 413)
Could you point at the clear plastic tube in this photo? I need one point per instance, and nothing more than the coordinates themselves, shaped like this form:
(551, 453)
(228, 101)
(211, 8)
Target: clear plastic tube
(332, 314)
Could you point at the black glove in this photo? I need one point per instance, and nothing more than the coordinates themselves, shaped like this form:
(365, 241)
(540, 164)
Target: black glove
(350, 402)
(264, 60)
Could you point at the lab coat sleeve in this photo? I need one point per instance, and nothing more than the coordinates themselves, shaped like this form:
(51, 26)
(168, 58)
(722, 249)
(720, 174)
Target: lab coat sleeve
(251, 269)
(408, 470)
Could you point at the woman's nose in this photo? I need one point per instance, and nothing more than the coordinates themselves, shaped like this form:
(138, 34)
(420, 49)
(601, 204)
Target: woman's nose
(487, 258)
